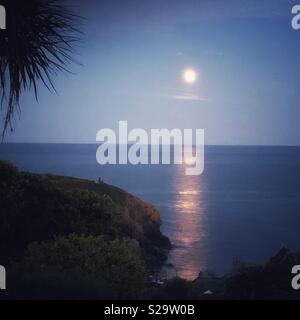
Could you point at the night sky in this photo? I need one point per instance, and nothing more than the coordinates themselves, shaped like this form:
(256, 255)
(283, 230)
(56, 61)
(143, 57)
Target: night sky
(245, 52)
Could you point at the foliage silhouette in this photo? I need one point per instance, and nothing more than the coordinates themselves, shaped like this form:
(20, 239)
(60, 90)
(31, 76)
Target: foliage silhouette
(38, 43)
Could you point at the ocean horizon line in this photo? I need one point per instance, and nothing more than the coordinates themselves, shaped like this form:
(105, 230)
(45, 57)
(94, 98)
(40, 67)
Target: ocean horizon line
(97, 144)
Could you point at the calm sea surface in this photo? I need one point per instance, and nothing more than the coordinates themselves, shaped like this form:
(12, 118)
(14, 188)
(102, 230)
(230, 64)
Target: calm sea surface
(246, 204)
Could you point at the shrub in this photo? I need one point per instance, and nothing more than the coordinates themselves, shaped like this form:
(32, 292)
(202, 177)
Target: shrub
(78, 267)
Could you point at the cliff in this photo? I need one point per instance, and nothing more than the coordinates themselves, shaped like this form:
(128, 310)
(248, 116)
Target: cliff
(37, 208)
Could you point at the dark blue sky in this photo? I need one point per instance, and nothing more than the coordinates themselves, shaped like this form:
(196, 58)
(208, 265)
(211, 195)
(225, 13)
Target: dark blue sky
(133, 55)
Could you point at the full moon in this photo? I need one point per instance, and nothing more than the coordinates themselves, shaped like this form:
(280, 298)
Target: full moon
(190, 76)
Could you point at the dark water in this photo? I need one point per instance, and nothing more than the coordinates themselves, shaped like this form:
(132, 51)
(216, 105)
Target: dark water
(246, 204)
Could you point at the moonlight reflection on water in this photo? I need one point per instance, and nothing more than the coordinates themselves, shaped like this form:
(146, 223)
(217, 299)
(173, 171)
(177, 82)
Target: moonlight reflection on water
(190, 228)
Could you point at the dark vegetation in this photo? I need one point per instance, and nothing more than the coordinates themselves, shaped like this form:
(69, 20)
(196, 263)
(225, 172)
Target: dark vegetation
(270, 281)
(77, 267)
(38, 43)
(59, 233)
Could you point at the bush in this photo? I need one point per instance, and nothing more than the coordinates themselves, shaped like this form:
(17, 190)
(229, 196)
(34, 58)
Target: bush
(78, 267)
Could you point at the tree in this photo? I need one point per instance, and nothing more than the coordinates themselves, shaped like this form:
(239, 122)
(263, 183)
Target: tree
(37, 44)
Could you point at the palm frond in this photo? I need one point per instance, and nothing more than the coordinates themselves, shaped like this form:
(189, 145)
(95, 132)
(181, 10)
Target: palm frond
(38, 43)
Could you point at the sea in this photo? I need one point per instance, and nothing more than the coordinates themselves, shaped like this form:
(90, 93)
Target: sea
(246, 204)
